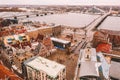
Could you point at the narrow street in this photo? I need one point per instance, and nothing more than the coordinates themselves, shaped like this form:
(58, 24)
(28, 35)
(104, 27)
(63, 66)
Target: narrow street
(80, 46)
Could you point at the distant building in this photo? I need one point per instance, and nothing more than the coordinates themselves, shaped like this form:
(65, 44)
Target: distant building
(39, 68)
(95, 10)
(7, 22)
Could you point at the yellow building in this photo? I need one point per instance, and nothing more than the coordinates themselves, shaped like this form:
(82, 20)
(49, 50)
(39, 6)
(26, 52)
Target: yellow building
(15, 39)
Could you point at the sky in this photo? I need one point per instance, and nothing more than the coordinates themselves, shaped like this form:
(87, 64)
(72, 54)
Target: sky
(61, 2)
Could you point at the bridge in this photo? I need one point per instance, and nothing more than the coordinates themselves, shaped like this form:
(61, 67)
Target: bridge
(22, 16)
(93, 25)
(96, 22)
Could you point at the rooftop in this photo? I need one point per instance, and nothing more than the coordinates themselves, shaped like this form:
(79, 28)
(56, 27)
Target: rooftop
(89, 69)
(114, 69)
(60, 40)
(4, 72)
(50, 67)
(13, 38)
(104, 47)
(35, 29)
(92, 53)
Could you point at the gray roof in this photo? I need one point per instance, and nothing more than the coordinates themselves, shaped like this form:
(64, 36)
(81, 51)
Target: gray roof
(30, 59)
(115, 69)
(88, 69)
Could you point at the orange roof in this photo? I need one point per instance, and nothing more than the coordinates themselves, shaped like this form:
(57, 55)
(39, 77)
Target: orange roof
(103, 47)
(5, 73)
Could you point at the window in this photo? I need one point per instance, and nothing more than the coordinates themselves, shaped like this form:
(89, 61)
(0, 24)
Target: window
(79, 65)
(57, 77)
(30, 78)
(63, 70)
(30, 74)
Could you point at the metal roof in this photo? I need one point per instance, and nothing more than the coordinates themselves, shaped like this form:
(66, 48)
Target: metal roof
(60, 40)
(115, 69)
(89, 68)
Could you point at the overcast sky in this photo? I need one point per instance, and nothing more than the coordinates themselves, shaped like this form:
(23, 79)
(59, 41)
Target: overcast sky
(62, 2)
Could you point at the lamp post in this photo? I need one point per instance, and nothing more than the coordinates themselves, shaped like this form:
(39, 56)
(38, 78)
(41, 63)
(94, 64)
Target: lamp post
(74, 30)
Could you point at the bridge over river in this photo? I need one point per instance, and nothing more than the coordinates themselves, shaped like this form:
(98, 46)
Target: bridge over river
(95, 23)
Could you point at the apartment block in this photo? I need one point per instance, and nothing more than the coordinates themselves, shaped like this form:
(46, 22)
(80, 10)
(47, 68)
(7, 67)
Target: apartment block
(39, 68)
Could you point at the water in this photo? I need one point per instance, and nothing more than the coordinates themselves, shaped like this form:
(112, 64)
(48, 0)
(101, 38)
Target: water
(67, 19)
(111, 23)
(70, 19)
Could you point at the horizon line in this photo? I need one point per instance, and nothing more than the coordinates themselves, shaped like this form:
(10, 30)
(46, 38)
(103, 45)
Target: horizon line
(58, 5)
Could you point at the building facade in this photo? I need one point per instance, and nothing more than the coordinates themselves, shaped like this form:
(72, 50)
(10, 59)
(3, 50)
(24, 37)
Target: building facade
(19, 59)
(56, 30)
(39, 68)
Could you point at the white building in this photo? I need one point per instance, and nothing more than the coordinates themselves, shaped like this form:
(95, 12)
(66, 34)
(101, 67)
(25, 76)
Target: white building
(88, 54)
(39, 68)
(88, 64)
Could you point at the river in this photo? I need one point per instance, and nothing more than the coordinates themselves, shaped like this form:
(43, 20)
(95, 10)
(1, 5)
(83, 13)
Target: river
(67, 19)
(70, 19)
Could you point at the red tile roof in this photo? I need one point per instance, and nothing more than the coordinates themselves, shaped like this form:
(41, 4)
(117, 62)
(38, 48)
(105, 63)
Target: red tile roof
(103, 47)
(5, 73)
